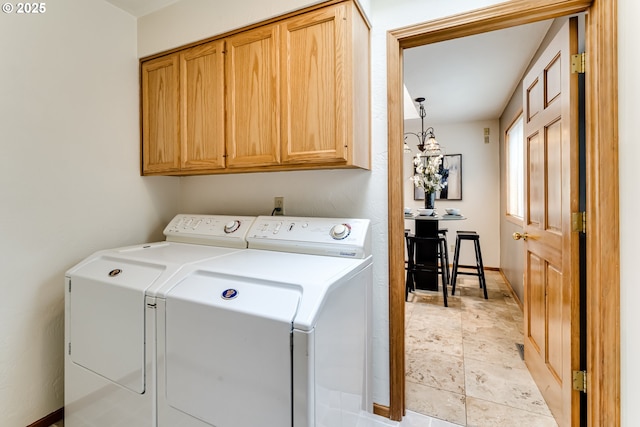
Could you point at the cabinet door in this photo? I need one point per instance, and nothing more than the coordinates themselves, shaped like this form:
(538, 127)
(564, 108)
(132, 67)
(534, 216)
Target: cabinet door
(202, 107)
(253, 98)
(315, 100)
(160, 124)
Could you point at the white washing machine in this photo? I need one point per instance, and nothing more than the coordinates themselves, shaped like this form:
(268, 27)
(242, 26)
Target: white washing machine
(110, 325)
(277, 335)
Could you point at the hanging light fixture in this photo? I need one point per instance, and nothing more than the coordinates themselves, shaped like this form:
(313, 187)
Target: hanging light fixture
(427, 143)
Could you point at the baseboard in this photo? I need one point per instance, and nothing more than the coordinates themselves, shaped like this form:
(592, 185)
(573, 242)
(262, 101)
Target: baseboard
(52, 418)
(513, 293)
(381, 410)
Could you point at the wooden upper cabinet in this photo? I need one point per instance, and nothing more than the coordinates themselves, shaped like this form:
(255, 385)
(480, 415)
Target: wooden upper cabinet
(292, 93)
(160, 125)
(202, 107)
(325, 75)
(183, 111)
(253, 98)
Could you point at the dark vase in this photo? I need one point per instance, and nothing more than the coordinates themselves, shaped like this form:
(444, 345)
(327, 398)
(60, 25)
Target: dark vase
(429, 200)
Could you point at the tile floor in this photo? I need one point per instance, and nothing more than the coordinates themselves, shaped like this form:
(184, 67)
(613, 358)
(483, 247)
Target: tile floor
(462, 362)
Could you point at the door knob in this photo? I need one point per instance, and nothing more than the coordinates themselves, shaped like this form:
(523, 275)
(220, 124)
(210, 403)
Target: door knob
(518, 236)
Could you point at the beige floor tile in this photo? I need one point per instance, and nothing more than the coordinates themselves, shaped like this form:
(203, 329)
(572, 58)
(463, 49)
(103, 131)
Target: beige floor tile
(433, 334)
(490, 319)
(440, 404)
(500, 350)
(481, 413)
(439, 370)
(504, 385)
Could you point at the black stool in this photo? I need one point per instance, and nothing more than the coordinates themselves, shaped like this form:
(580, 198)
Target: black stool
(408, 266)
(442, 235)
(414, 266)
(475, 237)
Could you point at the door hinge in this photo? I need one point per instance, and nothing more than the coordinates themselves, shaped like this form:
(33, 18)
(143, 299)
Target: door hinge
(580, 381)
(69, 286)
(579, 63)
(69, 349)
(579, 222)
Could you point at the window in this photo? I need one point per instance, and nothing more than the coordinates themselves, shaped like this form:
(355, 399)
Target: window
(515, 169)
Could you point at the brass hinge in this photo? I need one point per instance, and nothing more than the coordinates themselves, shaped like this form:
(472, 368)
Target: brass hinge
(579, 63)
(579, 222)
(580, 381)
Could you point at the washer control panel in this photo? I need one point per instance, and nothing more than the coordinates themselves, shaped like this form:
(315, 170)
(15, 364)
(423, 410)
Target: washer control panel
(215, 230)
(345, 237)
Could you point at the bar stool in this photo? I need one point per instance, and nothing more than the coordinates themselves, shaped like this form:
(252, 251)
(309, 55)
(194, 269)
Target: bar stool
(442, 235)
(408, 266)
(479, 267)
(415, 267)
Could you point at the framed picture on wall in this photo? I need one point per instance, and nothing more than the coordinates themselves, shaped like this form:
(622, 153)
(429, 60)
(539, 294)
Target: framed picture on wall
(451, 170)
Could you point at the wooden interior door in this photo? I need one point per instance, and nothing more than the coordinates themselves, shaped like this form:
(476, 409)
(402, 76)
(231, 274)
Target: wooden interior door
(551, 301)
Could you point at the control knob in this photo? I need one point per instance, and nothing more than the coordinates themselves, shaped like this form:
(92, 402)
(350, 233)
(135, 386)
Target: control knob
(231, 226)
(340, 231)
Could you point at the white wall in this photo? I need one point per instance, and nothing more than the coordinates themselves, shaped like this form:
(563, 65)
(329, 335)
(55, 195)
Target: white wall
(629, 111)
(480, 202)
(511, 255)
(69, 180)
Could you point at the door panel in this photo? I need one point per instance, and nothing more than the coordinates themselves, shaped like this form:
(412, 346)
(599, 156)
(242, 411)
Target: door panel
(202, 102)
(554, 321)
(314, 87)
(253, 98)
(551, 186)
(554, 175)
(160, 125)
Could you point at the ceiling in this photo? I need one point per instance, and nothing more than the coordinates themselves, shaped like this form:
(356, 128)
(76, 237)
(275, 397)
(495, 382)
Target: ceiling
(140, 8)
(465, 79)
(471, 78)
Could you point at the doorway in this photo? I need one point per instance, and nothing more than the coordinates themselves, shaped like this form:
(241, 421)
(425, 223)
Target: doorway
(603, 345)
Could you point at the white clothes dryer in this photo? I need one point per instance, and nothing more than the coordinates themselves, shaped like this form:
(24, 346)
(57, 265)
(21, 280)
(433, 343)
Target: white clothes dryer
(110, 327)
(276, 335)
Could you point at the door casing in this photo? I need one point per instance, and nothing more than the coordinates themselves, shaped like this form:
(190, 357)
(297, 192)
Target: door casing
(603, 254)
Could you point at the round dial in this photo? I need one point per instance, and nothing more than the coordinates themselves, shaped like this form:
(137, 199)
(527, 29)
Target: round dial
(340, 231)
(231, 226)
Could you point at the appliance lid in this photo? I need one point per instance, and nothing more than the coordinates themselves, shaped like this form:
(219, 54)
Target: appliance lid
(106, 315)
(244, 328)
(312, 275)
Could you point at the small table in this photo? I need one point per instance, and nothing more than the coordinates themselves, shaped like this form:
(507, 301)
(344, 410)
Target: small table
(428, 226)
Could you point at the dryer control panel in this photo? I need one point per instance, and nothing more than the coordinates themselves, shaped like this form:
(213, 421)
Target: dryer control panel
(215, 230)
(343, 237)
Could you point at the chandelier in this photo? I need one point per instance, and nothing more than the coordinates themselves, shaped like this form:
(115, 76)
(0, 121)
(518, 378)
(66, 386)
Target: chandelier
(427, 143)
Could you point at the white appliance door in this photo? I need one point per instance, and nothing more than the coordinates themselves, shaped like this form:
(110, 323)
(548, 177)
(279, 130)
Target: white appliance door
(228, 350)
(106, 312)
